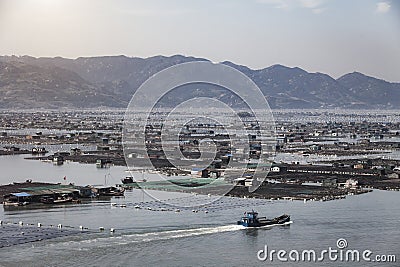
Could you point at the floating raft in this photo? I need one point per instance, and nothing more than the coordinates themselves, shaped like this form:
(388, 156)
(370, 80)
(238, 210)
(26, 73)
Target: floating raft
(12, 234)
(197, 203)
(182, 185)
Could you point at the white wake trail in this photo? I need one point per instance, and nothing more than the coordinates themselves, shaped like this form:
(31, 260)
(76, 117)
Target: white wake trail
(152, 236)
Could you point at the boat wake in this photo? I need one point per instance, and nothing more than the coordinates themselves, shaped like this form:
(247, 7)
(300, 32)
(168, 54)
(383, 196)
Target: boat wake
(152, 236)
(185, 233)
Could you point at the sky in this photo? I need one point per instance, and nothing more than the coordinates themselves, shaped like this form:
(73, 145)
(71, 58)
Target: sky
(329, 36)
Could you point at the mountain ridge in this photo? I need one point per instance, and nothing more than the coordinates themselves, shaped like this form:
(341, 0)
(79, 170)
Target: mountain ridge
(110, 81)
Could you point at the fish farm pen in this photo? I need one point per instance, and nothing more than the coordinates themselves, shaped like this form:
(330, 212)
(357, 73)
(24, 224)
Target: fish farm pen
(12, 234)
(195, 203)
(183, 185)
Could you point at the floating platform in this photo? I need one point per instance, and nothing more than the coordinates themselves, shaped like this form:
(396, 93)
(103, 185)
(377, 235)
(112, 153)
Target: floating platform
(12, 234)
(196, 203)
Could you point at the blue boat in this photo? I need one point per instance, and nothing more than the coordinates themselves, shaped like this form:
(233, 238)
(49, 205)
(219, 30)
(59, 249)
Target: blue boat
(251, 219)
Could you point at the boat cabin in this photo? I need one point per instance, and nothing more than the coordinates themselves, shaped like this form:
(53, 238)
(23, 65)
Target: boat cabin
(16, 199)
(250, 217)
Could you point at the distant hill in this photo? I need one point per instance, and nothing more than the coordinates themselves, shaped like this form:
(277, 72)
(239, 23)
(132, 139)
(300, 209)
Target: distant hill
(28, 82)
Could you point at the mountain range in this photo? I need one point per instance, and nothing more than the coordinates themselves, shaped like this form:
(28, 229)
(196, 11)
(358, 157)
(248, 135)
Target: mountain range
(110, 81)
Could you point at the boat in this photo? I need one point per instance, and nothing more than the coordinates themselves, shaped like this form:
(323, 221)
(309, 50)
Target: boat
(63, 200)
(251, 219)
(51, 200)
(131, 180)
(17, 199)
(112, 192)
(118, 193)
(127, 180)
(15, 204)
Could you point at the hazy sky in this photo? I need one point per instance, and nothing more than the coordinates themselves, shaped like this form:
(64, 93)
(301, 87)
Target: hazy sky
(330, 36)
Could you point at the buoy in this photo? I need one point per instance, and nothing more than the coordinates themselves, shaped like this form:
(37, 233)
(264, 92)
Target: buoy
(101, 228)
(81, 227)
(59, 225)
(112, 230)
(39, 225)
(22, 233)
(1, 222)
(20, 223)
(206, 211)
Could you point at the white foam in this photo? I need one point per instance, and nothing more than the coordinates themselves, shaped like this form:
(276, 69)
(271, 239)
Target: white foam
(154, 236)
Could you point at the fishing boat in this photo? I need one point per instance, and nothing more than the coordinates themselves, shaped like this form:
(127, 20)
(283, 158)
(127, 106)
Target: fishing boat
(51, 200)
(17, 199)
(127, 180)
(15, 204)
(109, 191)
(114, 193)
(251, 219)
(131, 180)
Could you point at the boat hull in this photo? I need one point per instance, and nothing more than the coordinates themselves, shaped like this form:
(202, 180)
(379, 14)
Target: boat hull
(281, 220)
(127, 180)
(50, 200)
(14, 204)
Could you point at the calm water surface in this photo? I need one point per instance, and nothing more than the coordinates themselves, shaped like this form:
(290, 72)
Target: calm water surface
(155, 238)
